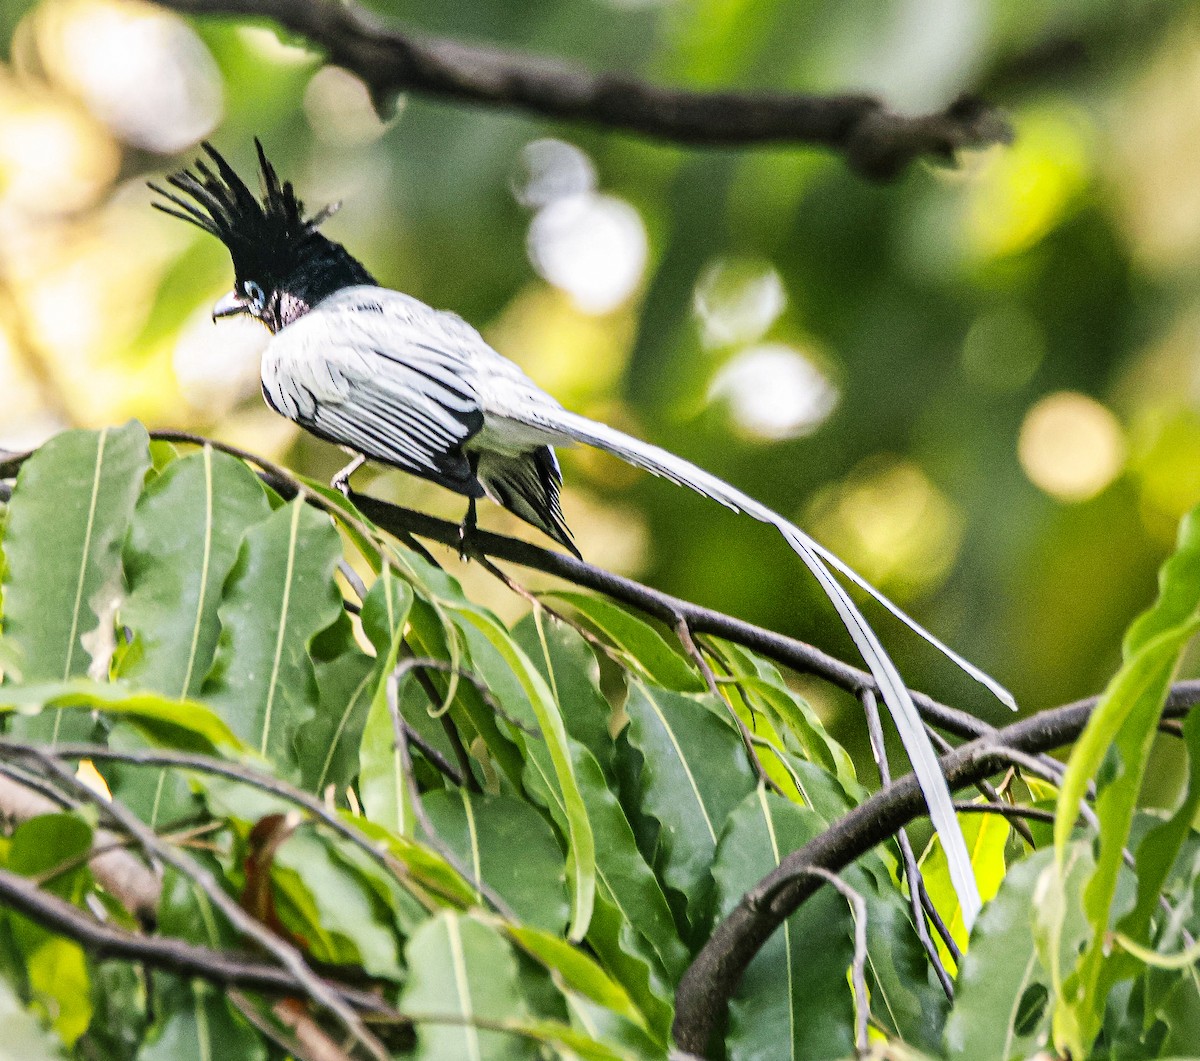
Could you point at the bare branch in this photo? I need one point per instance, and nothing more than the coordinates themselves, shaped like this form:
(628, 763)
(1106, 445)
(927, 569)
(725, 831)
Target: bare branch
(876, 141)
(858, 969)
(281, 950)
(912, 872)
(707, 985)
(122, 874)
(162, 952)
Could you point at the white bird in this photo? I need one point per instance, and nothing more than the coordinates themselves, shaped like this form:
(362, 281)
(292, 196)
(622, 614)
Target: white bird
(395, 381)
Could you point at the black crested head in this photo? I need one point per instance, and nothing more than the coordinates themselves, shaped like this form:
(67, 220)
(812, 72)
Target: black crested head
(282, 264)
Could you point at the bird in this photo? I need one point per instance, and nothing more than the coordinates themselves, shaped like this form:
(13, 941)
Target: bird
(396, 382)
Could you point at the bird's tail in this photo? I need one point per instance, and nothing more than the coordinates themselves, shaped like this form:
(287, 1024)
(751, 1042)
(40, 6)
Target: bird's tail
(569, 427)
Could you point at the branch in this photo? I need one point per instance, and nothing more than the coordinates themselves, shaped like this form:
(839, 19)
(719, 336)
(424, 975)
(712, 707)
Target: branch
(795, 655)
(163, 952)
(709, 982)
(121, 873)
(876, 141)
(258, 933)
(404, 522)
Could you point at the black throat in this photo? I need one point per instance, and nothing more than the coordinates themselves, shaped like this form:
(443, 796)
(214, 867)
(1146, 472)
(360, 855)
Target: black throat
(320, 268)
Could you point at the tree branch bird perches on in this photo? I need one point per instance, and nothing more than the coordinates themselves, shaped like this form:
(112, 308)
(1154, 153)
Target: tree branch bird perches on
(395, 381)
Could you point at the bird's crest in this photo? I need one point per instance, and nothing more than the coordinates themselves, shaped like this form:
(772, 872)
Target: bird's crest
(260, 234)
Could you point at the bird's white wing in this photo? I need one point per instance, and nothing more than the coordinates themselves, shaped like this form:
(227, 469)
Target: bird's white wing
(367, 370)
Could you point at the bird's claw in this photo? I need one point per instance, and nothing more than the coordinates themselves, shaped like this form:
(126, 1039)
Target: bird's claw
(341, 481)
(466, 534)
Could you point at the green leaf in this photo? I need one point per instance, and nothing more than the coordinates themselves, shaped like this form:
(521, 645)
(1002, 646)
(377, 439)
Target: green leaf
(381, 783)
(504, 843)
(182, 724)
(694, 773)
(434, 632)
(647, 650)
(427, 867)
(183, 541)
(793, 1001)
(767, 691)
(578, 972)
(1002, 999)
(464, 972)
(632, 930)
(279, 596)
(530, 701)
(329, 743)
(1120, 732)
(325, 901)
(382, 786)
(986, 836)
(1160, 847)
(569, 666)
(199, 1022)
(63, 560)
(54, 846)
(631, 959)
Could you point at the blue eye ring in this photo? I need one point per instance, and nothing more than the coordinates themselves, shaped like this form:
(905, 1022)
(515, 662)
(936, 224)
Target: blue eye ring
(255, 294)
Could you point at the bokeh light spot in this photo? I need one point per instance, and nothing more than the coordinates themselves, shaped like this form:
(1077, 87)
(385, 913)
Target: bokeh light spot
(1071, 446)
(1023, 190)
(773, 392)
(141, 71)
(592, 246)
(888, 520)
(552, 169)
(1003, 349)
(737, 301)
(53, 157)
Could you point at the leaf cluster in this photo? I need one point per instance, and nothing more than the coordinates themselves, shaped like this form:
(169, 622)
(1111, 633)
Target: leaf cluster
(498, 841)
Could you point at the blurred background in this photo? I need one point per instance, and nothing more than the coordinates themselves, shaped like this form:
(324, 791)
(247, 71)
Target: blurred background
(980, 386)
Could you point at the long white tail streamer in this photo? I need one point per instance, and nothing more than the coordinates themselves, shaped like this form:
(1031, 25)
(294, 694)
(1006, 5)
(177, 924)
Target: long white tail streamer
(569, 427)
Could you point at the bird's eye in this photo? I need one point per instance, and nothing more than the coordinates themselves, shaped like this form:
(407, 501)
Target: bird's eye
(255, 294)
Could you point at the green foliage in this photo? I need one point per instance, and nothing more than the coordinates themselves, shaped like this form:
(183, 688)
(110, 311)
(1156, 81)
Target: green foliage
(549, 907)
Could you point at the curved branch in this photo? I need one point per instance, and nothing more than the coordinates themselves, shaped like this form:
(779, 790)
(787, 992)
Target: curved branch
(876, 141)
(405, 522)
(706, 987)
(796, 655)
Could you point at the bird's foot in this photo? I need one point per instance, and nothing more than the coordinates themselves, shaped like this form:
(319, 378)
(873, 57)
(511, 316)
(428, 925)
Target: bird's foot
(341, 481)
(466, 533)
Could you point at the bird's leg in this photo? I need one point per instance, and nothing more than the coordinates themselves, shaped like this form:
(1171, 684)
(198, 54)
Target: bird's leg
(341, 481)
(466, 531)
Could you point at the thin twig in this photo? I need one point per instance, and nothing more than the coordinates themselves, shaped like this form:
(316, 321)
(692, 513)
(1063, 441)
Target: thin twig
(24, 795)
(246, 776)
(912, 871)
(400, 731)
(858, 969)
(281, 950)
(707, 984)
(693, 650)
(875, 140)
(105, 941)
(1012, 811)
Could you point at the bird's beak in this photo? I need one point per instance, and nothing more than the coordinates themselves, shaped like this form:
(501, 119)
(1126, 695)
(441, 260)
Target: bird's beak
(230, 305)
